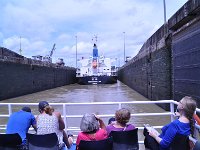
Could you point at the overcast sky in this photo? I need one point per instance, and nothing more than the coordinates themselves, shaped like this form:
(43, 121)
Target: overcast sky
(41, 23)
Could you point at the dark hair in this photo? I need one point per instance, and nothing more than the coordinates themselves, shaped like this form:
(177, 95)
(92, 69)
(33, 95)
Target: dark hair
(189, 107)
(111, 120)
(122, 116)
(26, 109)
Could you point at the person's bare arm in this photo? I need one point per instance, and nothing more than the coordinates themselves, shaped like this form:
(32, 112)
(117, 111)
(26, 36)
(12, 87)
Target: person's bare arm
(102, 124)
(155, 135)
(65, 139)
(35, 127)
(60, 121)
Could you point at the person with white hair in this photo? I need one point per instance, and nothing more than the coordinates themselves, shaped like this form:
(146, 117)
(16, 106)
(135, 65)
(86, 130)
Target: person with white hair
(93, 129)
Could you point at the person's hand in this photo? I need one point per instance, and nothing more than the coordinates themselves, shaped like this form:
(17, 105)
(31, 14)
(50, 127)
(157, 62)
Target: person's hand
(154, 133)
(176, 114)
(70, 139)
(97, 117)
(102, 125)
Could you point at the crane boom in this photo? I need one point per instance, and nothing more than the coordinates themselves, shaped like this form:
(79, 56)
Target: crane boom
(53, 49)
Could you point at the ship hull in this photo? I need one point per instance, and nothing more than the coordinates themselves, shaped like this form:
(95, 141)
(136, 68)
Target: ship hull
(86, 80)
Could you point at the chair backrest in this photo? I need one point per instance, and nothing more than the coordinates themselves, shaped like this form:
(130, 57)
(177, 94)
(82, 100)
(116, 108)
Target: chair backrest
(180, 142)
(96, 145)
(125, 140)
(42, 142)
(10, 141)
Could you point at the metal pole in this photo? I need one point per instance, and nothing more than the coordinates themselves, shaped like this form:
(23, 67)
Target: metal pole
(124, 48)
(20, 47)
(164, 5)
(64, 116)
(76, 51)
(9, 109)
(172, 111)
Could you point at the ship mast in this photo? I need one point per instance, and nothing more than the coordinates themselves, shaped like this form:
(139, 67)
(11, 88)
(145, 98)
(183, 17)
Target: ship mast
(95, 60)
(95, 39)
(20, 46)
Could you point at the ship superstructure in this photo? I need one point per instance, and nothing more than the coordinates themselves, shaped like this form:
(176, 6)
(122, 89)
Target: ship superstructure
(96, 69)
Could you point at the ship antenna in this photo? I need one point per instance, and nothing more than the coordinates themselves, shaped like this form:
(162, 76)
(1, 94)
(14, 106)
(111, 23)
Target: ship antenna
(94, 39)
(95, 36)
(20, 46)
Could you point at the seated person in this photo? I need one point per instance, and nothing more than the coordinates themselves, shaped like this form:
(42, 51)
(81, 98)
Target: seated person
(67, 139)
(111, 120)
(93, 129)
(20, 122)
(122, 117)
(184, 125)
(49, 121)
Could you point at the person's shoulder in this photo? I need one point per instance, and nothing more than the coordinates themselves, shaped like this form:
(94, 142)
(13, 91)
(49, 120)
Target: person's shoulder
(130, 125)
(56, 113)
(14, 113)
(38, 116)
(110, 126)
(101, 134)
(82, 135)
(101, 131)
(24, 113)
(174, 124)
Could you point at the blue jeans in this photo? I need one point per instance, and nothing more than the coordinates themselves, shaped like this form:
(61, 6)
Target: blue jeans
(73, 147)
(64, 148)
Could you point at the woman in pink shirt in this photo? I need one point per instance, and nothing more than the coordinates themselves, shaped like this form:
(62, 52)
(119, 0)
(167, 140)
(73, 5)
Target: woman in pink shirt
(93, 129)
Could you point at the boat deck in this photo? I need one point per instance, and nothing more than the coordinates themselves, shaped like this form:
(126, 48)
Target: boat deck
(73, 127)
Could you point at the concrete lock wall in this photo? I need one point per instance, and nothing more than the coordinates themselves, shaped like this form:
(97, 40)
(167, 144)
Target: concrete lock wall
(149, 73)
(167, 65)
(185, 25)
(18, 78)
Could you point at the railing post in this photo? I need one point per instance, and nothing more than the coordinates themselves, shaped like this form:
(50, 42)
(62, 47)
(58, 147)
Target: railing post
(9, 109)
(172, 111)
(64, 115)
(120, 105)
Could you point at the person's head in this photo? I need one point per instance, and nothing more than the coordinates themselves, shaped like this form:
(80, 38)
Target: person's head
(122, 116)
(26, 109)
(45, 107)
(187, 107)
(111, 120)
(89, 123)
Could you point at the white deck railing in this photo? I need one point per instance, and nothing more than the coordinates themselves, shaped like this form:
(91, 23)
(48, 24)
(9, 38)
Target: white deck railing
(65, 116)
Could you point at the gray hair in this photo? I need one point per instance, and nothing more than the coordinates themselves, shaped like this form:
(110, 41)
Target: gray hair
(89, 123)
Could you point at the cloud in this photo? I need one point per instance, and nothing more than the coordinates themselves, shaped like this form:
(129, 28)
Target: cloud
(28, 47)
(1, 39)
(12, 43)
(41, 23)
(22, 21)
